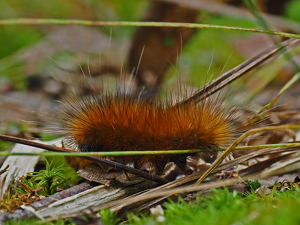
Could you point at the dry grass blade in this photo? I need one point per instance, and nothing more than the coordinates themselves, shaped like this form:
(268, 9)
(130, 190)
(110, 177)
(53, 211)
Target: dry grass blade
(267, 107)
(255, 154)
(233, 145)
(282, 168)
(237, 72)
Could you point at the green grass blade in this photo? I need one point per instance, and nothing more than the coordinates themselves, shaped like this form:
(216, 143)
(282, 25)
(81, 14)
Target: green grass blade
(28, 21)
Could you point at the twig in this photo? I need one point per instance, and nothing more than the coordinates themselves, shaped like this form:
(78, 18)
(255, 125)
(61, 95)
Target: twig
(4, 170)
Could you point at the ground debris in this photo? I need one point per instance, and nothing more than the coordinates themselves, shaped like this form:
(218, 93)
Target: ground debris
(43, 203)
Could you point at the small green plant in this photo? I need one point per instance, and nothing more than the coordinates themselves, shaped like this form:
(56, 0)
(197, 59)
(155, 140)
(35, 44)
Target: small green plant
(46, 182)
(253, 185)
(27, 186)
(108, 217)
(50, 178)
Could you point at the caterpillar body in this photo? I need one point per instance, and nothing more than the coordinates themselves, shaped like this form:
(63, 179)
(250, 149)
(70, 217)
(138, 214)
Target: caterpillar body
(117, 122)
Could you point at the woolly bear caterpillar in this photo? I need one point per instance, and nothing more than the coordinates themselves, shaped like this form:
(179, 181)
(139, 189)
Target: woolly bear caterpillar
(117, 122)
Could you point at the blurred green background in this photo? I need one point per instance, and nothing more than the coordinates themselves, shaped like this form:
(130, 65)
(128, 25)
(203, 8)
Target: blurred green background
(195, 59)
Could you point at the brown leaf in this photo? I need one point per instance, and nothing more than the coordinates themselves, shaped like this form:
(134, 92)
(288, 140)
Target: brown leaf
(93, 172)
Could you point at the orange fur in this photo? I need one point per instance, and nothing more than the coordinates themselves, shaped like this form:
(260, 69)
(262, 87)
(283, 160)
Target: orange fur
(120, 123)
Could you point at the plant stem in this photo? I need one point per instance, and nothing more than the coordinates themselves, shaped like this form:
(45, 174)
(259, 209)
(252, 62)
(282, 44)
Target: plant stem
(156, 152)
(29, 21)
